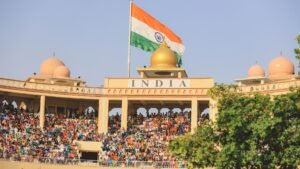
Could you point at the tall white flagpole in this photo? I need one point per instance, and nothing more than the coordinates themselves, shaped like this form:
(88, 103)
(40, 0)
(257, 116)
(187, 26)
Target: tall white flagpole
(129, 36)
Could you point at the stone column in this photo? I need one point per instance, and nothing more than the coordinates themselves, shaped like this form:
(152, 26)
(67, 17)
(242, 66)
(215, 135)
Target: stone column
(180, 75)
(124, 114)
(103, 115)
(142, 74)
(42, 111)
(99, 115)
(194, 116)
(213, 110)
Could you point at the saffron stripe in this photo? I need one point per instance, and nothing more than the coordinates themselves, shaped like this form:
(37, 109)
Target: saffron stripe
(143, 16)
(148, 32)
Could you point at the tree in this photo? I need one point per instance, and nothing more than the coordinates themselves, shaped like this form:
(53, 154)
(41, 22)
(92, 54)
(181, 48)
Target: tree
(285, 140)
(250, 132)
(220, 90)
(199, 149)
(297, 52)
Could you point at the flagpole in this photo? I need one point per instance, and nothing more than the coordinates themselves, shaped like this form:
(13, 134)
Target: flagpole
(129, 36)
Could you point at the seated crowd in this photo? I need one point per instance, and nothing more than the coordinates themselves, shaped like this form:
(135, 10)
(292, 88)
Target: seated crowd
(114, 123)
(22, 139)
(145, 139)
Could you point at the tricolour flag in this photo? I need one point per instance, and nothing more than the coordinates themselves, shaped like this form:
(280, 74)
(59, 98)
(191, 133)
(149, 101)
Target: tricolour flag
(147, 33)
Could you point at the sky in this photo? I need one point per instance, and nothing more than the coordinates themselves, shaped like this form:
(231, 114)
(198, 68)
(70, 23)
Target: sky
(222, 38)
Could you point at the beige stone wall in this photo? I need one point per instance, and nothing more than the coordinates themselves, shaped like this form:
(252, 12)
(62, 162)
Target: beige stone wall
(194, 82)
(89, 146)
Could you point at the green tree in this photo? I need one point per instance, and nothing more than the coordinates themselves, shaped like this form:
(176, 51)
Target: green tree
(297, 52)
(199, 149)
(250, 132)
(245, 123)
(285, 140)
(220, 90)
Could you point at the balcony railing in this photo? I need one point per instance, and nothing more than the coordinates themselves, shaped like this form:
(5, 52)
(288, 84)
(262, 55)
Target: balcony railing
(269, 87)
(50, 87)
(102, 163)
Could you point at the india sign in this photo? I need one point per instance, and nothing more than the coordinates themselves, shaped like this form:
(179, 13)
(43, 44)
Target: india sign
(158, 83)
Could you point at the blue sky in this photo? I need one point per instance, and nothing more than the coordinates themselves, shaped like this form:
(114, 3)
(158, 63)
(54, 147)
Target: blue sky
(222, 38)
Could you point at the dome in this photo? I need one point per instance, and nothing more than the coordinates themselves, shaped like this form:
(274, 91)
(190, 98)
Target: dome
(49, 65)
(256, 71)
(61, 71)
(281, 66)
(163, 57)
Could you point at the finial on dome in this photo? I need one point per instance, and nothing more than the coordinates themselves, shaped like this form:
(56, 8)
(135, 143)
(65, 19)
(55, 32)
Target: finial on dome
(164, 44)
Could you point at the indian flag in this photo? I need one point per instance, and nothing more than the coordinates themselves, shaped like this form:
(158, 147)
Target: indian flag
(147, 33)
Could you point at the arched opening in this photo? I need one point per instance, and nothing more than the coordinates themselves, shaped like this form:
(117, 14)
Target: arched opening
(114, 120)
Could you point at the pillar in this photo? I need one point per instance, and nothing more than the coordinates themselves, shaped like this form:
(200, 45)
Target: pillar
(99, 115)
(124, 115)
(180, 75)
(142, 74)
(42, 111)
(213, 110)
(194, 117)
(103, 115)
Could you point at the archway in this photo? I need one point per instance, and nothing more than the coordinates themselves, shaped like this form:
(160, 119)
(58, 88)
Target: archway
(114, 120)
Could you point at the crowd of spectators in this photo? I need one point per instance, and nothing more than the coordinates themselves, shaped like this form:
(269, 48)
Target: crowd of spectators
(114, 123)
(22, 139)
(145, 139)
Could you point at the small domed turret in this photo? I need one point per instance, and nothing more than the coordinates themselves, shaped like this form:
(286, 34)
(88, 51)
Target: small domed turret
(280, 66)
(256, 71)
(49, 65)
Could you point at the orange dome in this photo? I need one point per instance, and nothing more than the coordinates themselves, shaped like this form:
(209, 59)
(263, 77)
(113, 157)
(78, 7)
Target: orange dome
(49, 65)
(61, 71)
(281, 66)
(256, 71)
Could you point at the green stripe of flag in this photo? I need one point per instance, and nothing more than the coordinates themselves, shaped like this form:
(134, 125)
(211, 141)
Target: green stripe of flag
(145, 44)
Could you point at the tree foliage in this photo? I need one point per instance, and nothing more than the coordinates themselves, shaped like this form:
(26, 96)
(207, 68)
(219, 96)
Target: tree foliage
(297, 52)
(198, 148)
(251, 132)
(221, 90)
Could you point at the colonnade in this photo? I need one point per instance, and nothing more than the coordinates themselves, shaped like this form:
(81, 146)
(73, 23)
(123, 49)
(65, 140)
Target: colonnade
(104, 108)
